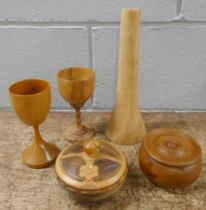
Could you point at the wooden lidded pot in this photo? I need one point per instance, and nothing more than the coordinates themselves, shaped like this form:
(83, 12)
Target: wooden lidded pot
(91, 171)
(170, 158)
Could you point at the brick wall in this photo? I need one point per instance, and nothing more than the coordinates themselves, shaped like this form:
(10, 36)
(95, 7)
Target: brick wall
(37, 38)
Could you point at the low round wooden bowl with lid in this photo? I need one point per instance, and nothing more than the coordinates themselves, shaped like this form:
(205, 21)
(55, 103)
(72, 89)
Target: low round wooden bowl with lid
(91, 170)
(170, 158)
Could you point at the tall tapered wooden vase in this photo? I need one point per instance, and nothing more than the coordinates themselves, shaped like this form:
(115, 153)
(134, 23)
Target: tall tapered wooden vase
(126, 125)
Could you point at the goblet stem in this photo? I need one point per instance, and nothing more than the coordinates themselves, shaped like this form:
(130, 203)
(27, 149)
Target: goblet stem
(37, 135)
(78, 118)
(39, 154)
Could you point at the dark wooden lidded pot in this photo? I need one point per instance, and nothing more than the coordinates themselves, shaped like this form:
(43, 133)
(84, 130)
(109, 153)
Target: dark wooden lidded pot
(170, 158)
(91, 171)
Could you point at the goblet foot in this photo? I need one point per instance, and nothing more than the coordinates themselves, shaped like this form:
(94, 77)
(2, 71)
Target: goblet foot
(40, 155)
(73, 134)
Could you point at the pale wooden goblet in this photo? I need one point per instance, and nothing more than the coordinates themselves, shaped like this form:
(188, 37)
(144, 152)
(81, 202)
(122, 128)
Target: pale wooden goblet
(31, 101)
(76, 86)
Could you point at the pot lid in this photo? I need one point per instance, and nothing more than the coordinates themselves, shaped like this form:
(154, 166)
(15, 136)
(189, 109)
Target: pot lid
(171, 147)
(92, 165)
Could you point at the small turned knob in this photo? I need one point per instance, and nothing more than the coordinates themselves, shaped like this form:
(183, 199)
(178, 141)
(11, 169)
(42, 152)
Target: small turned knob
(91, 148)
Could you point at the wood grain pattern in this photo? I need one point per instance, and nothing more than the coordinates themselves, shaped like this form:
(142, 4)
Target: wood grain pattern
(76, 86)
(92, 170)
(25, 188)
(31, 100)
(170, 158)
(125, 125)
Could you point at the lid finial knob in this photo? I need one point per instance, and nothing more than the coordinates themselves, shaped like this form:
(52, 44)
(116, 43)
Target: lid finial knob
(91, 148)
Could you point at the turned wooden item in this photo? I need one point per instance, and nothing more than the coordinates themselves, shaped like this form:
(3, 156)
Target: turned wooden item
(91, 170)
(31, 101)
(126, 125)
(76, 86)
(170, 158)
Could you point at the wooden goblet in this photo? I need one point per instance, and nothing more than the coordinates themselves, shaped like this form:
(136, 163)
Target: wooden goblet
(76, 86)
(31, 101)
